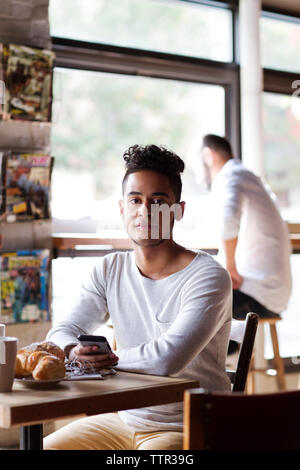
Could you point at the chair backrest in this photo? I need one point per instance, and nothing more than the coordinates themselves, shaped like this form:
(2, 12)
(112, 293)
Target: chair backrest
(239, 377)
(236, 421)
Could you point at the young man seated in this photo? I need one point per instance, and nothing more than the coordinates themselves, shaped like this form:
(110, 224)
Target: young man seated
(170, 308)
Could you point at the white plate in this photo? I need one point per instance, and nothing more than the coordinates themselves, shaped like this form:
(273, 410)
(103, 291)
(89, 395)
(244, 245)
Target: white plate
(32, 383)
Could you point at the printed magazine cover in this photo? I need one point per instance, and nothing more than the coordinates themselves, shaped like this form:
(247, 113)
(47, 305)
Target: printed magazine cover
(24, 286)
(27, 74)
(26, 179)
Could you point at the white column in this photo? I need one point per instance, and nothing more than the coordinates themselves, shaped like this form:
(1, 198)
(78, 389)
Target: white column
(251, 86)
(252, 126)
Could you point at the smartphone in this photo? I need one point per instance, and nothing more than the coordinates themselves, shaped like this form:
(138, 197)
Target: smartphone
(94, 340)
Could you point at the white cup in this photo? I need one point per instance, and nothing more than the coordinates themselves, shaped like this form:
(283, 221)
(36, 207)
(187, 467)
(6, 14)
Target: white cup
(8, 353)
(2, 329)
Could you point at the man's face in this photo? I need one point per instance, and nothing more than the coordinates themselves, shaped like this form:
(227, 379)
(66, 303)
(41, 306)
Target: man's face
(148, 207)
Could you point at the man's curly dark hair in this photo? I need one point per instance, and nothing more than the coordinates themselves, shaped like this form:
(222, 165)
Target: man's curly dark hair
(152, 157)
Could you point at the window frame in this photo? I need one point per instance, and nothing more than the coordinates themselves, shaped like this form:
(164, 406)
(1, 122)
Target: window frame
(279, 82)
(97, 57)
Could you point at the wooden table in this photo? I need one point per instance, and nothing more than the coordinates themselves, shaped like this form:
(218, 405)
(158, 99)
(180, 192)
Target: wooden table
(89, 244)
(65, 244)
(29, 408)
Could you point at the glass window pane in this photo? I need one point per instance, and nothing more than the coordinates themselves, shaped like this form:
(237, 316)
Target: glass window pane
(159, 25)
(97, 116)
(280, 44)
(288, 329)
(282, 150)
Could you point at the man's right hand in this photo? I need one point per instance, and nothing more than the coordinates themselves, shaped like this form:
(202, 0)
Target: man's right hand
(229, 251)
(236, 278)
(88, 357)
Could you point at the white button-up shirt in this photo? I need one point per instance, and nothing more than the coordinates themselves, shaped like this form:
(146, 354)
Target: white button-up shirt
(248, 210)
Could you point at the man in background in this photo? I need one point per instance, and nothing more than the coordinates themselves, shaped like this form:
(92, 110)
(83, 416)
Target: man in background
(255, 245)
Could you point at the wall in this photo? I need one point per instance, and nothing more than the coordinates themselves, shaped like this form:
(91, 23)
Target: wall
(25, 22)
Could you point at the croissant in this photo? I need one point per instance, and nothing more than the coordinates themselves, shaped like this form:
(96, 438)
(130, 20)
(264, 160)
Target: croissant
(21, 363)
(49, 368)
(44, 361)
(51, 348)
(33, 359)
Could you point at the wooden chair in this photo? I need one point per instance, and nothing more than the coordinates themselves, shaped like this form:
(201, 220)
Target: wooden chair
(277, 361)
(238, 377)
(236, 421)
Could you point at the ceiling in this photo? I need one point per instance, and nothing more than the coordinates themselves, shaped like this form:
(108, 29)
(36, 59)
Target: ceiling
(292, 6)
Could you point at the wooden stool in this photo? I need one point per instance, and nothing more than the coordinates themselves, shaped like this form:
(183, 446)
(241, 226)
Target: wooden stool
(278, 361)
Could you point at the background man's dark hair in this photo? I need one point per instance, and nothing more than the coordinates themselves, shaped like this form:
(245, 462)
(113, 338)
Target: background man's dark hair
(218, 144)
(152, 157)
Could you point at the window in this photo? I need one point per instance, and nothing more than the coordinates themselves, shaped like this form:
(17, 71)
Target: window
(288, 329)
(281, 117)
(280, 40)
(281, 120)
(177, 27)
(99, 115)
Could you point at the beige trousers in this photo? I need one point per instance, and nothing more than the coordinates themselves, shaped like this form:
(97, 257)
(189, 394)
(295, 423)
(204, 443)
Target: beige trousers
(108, 432)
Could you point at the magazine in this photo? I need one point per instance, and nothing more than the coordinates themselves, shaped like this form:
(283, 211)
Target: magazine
(27, 74)
(76, 371)
(24, 281)
(25, 186)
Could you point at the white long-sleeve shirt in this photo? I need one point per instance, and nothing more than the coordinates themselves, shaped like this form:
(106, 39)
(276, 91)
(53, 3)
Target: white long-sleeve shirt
(176, 326)
(248, 210)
